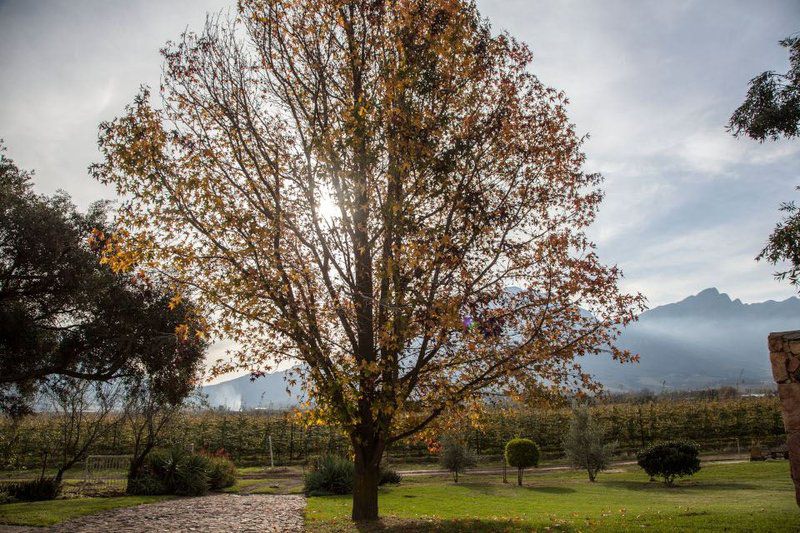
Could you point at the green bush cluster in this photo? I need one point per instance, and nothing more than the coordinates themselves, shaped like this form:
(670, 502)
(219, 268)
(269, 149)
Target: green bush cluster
(221, 473)
(389, 476)
(177, 471)
(670, 460)
(332, 474)
(45, 488)
(329, 475)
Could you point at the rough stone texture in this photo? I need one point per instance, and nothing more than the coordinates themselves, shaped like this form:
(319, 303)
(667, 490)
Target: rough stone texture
(793, 442)
(784, 346)
(789, 394)
(779, 371)
(209, 514)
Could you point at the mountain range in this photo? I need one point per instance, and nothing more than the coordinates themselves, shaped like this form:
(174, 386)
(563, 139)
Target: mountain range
(705, 340)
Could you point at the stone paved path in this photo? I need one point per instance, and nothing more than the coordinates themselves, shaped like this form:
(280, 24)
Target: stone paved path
(212, 514)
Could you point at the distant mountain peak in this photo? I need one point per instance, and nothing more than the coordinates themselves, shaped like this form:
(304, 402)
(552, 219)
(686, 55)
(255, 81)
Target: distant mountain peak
(708, 293)
(707, 339)
(704, 340)
(711, 294)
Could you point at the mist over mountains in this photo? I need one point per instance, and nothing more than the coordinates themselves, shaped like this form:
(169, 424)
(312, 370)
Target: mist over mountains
(705, 340)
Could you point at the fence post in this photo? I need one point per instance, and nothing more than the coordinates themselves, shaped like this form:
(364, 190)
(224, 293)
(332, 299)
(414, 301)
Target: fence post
(271, 461)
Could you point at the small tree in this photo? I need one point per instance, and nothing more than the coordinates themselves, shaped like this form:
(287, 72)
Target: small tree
(522, 453)
(456, 457)
(670, 460)
(84, 414)
(585, 444)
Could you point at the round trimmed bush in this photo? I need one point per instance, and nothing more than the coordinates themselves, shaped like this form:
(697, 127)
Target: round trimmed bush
(670, 460)
(521, 454)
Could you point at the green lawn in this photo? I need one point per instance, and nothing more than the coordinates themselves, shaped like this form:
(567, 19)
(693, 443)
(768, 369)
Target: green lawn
(740, 497)
(279, 485)
(56, 511)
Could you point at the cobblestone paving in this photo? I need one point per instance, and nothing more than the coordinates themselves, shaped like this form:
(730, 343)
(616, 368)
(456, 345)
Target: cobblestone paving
(209, 514)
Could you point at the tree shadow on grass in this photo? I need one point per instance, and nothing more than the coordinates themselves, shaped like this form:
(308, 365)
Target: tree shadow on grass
(550, 490)
(397, 525)
(679, 486)
(499, 490)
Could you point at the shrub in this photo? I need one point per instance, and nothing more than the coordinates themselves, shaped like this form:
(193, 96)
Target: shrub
(389, 476)
(146, 484)
(176, 471)
(521, 454)
(192, 476)
(162, 465)
(313, 461)
(5, 497)
(670, 460)
(456, 457)
(332, 475)
(221, 473)
(34, 490)
(584, 443)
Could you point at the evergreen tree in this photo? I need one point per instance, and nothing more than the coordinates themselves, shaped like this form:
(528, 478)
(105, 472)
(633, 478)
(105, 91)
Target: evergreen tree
(584, 443)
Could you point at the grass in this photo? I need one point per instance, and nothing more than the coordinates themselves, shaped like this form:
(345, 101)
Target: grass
(53, 512)
(281, 485)
(744, 497)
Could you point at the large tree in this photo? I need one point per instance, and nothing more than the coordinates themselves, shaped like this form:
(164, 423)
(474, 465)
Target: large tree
(64, 313)
(771, 110)
(380, 190)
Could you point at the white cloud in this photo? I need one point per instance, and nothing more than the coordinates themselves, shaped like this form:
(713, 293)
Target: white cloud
(687, 206)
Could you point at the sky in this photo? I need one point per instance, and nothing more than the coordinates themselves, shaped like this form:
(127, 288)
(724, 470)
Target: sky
(652, 83)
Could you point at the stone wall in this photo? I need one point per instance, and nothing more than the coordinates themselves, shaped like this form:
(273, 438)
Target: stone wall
(784, 354)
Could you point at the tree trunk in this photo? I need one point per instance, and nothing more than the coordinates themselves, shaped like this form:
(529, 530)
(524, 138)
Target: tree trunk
(365, 486)
(519, 477)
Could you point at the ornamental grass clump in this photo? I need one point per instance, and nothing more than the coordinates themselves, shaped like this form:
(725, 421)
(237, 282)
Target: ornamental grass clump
(330, 475)
(177, 471)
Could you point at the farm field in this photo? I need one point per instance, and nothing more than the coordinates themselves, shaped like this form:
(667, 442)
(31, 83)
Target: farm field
(726, 426)
(740, 497)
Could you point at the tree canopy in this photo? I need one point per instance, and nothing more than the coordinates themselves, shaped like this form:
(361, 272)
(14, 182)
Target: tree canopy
(772, 110)
(381, 191)
(64, 313)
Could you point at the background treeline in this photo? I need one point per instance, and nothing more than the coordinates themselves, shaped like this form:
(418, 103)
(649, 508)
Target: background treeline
(717, 422)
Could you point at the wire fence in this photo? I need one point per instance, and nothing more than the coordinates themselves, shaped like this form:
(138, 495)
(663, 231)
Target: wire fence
(105, 473)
